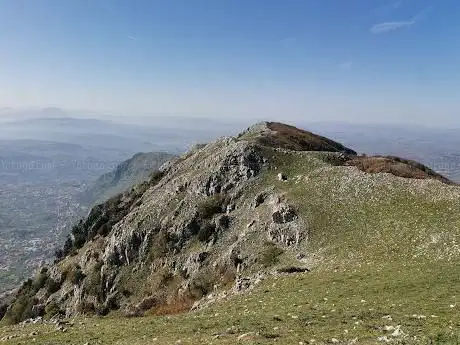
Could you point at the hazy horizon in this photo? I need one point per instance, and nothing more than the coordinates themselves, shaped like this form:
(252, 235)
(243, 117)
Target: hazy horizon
(361, 62)
(10, 114)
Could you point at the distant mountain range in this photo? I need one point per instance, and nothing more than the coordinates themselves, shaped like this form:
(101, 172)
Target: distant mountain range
(438, 148)
(133, 134)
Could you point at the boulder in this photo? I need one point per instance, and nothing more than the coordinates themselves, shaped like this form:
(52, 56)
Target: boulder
(282, 177)
(284, 214)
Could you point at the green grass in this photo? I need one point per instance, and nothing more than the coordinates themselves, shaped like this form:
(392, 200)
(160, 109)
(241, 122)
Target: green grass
(370, 218)
(320, 305)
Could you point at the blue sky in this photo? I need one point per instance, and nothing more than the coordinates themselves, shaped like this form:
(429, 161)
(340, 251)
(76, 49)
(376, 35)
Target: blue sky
(319, 60)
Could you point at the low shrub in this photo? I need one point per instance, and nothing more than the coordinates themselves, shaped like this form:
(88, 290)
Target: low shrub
(85, 307)
(93, 282)
(206, 231)
(224, 221)
(160, 245)
(396, 166)
(211, 206)
(52, 286)
(202, 283)
(74, 274)
(155, 177)
(21, 308)
(40, 281)
(51, 310)
(270, 254)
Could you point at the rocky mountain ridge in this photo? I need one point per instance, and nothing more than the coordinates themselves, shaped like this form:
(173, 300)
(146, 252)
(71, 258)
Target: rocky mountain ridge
(128, 173)
(211, 221)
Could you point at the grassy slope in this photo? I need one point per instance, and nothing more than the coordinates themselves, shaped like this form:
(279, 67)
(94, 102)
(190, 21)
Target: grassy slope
(359, 218)
(379, 246)
(320, 306)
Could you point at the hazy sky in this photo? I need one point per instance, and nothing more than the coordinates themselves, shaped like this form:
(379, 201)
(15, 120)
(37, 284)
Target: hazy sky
(347, 60)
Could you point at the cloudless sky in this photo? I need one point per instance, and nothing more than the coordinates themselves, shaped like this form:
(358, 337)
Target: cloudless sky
(318, 60)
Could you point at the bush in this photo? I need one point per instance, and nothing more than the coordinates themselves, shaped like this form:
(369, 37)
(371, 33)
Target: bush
(211, 206)
(52, 286)
(155, 177)
(93, 283)
(104, 230)
(202, 283)
(79, 236)
(102, 310)
(270, 254)
(148, 303)
(85, 307)
(132, 311)
(99, 222)
(396, 166)
(206, 231)
(40, 281)
(21, 308)
(224, 221)
(74, 275)
(59, 255)
(51, 310)
(160, 245)
(68, 245)
(78, 277)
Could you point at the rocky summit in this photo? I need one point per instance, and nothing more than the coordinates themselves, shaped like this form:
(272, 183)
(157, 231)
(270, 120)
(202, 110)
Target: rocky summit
(288, 217)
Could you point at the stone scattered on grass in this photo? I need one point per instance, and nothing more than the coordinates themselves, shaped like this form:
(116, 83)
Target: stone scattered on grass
(397, 332)
(282, 177)
(245, 335)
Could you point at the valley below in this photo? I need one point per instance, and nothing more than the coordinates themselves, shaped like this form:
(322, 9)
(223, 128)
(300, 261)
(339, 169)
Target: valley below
(34, 220)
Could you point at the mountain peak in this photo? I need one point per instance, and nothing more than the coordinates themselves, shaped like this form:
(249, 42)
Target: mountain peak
(280, 135)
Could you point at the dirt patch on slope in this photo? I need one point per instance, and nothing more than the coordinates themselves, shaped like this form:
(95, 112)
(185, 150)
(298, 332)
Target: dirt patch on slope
(292, 138)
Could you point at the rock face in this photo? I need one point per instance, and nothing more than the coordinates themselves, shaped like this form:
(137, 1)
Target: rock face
(286, 228)
(205, 222)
